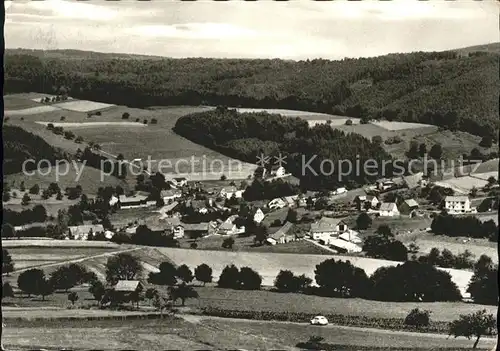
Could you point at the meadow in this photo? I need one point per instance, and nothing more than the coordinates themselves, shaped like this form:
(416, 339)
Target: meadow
(83, 105)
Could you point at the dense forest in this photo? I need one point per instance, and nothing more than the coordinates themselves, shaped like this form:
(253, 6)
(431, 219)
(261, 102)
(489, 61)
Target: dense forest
(246, 135)
(20, 145)
(431, 87)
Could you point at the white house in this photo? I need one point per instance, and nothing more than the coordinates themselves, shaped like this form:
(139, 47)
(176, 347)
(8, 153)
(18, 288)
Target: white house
(113, 201)
(340, 191)
(277, 203)
(258, 216)
(81, 232)
(179, 182)
(229, 191)
(351, 236)
(457, 204)
(327, 227)
(170, 195)
(175, 227)
(388, 209)
(277, 171)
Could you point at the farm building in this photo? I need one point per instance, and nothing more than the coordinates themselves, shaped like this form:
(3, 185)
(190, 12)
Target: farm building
(229, 228)
(196, 230)
(175, 227)
(385, 184)
(366, 201)
(327, 227)
(134, 201)
(200, 206)
(414, 180)
(277, 203)
(170, 195)
(457, 204)
(282, 236)
(351, 236)
(81, 232)
(408, 206)
(277, 171)
(128, 290)
(230, 191)
(168, 209)
(291, 201)
(165, 225)
(388, 209)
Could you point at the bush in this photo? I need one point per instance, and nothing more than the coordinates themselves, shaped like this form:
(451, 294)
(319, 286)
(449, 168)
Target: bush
(154, 121)
(125, 115)
(145, 121)
(418, 318)
(35, 189)
(137, 119)
(348, 122)
(98, 113)
(229, 278)
(63, 118)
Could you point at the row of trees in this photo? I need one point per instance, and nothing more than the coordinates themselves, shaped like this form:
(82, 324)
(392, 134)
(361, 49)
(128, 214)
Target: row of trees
(470, 226)
(16, 218)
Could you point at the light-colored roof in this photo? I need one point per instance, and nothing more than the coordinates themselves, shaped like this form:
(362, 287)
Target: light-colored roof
(135, 198)
(229, 189)
(227, 226)
(85, 229)
(325, 224)
(354, 238)
(196, 226)
(388, 206)
(170, 192)
(346, 245)
(168, 208)
(411, 203)
(282, 231)
(113, 200)
(127, 285)
(456, 198)
(371, 197)
(412, 181)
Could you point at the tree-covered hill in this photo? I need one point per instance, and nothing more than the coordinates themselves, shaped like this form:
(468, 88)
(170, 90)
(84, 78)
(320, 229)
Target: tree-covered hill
(20, 145)
(407, 87)
(311, 154)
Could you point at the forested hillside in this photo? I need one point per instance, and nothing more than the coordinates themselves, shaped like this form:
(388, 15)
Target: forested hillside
(247, 135)
(454, 90)
(20, 145)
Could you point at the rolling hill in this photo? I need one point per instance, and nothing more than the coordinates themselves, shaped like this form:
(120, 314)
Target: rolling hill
(448, 89)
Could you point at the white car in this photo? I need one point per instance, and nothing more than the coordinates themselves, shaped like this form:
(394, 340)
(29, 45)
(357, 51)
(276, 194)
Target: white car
(319, 320)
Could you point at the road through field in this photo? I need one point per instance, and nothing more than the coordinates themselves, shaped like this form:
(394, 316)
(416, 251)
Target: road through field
(77, 260)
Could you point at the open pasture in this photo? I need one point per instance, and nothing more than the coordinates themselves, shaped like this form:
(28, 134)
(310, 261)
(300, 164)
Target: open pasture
(83, 105)
(30, 111)
(87, 177)
(13, 102)
(269, 264)
(75, 125)
(396, 126)
(463, 184)
(288, 113)
(264, 300)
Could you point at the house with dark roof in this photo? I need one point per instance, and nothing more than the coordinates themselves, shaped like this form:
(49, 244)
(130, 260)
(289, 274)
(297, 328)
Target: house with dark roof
(283, 235)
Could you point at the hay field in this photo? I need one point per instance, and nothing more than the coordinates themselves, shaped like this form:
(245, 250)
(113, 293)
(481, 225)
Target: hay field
(30, 111)
(74, 125)
(268, 265)
(396, 126)
(83, 105)
(12, 102)
(77, 174)
(464, 184)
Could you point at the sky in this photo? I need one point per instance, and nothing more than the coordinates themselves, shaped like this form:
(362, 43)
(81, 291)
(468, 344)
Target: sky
(298, 29)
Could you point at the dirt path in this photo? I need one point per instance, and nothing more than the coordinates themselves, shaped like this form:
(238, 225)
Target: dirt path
(76, 260)
(324, 247)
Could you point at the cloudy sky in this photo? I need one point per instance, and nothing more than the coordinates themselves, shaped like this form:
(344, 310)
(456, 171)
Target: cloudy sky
(297, 29)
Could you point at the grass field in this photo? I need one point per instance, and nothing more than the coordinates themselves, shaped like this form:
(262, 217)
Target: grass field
(30, 111)
(207, 334)
(82, 105)
(395, 126)
(89, 179)
(269, 264)
(463, 184)
(18, 103)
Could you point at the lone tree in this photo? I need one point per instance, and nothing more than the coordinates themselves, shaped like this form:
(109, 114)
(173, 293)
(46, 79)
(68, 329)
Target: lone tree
(203, 273)
(125, 115)
(249, 279)
(35, 189)
(483, 285)
(29, 281)
(7, 290)
(166, 276)
(26, 199)
(229, 277)
(363, 221)
(73, 297)
(184, 274)
(97, 290)
(418, 318)
(286, 281)
(7, 264)
(436, 151)
(261, 234)
(66, 277)
(123, 266)
(228, 243)
(183, 292)
(471, 325)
